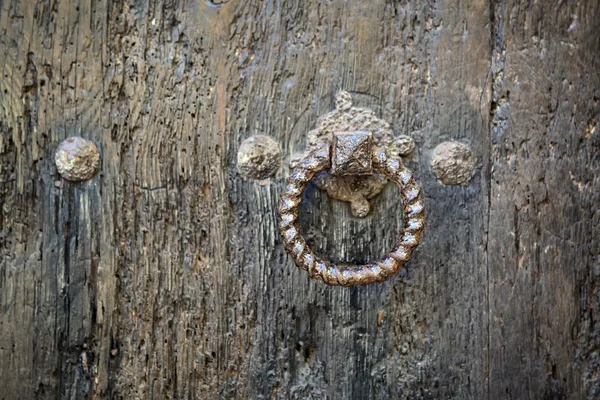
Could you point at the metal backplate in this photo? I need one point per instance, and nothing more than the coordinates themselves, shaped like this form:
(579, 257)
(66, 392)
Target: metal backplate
(355, 189)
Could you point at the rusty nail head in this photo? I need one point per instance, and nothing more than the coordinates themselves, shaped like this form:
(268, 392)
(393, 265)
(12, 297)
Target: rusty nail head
(77, 159)
(351, 153)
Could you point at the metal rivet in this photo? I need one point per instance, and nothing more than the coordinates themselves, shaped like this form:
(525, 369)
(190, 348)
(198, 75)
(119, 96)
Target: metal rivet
(402, 146)
(77, 159)
(360, 207)
(452, 163)
(259, 157)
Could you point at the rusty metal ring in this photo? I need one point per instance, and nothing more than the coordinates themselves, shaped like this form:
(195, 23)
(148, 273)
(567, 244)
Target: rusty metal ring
(346, 275)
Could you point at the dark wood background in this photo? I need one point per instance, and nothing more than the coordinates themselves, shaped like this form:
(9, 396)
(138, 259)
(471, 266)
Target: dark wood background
(164, 276)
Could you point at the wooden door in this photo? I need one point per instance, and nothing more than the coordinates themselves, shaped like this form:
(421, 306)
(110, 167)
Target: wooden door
(164, 275)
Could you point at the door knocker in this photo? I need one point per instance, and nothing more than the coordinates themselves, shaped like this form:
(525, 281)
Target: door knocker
(354, 146)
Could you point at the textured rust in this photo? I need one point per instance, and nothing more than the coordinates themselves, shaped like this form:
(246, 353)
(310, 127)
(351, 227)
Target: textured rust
(346, 275)
(259, 157)
(356, 189)
(403, 145)
(77, 159)
(452, 163)
(356, 185)
(351, 153)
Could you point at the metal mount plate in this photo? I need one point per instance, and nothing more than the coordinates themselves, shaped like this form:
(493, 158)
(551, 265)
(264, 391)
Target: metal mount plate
(355, 189)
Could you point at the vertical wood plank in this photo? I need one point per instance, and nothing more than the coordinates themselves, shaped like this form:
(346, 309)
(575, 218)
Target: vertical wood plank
(543, 212)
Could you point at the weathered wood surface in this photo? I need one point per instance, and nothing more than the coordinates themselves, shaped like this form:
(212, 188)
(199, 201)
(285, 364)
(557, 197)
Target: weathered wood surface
(164, 276)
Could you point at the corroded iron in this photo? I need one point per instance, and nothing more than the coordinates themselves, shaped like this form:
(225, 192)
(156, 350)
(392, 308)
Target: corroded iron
(452, 163)
(259, 157)
(356, 189)
(402, 146)
(77, 159)
(345, 275)
(351, 153)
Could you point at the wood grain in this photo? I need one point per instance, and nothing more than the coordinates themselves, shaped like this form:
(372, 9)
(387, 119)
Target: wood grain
(543, 222)
(165, 277)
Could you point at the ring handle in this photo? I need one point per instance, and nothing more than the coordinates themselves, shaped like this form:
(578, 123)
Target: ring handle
(347, 275)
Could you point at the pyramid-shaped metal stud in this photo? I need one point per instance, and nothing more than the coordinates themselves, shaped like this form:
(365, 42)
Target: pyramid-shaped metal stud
(351, 153)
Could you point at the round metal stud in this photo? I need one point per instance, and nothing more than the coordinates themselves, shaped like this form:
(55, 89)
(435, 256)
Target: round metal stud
(452, 163)
(259, 157)
(77, 159)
